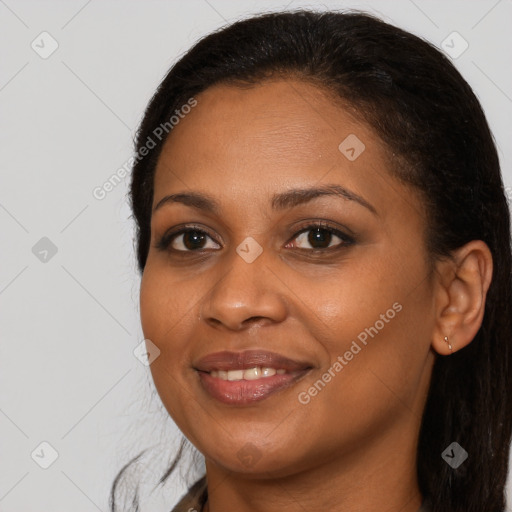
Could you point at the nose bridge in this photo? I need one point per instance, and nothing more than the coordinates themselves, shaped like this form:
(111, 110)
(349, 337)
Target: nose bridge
(247, 289)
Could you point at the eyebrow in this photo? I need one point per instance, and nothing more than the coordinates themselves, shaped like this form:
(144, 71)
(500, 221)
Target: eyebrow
(281, 201)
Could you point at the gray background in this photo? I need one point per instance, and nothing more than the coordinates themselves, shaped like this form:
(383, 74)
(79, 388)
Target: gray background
(69, 319)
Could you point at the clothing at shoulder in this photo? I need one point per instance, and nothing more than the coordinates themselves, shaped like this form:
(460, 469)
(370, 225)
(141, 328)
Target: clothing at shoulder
(195, 498)
(425, 507)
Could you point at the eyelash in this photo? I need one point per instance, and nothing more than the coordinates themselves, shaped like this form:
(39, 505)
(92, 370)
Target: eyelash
(166, 240)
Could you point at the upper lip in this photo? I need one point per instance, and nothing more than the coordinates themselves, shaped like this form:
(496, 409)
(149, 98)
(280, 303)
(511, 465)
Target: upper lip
(226, 361)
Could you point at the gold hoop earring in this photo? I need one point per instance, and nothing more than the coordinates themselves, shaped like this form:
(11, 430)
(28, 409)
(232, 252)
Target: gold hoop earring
(446, 339)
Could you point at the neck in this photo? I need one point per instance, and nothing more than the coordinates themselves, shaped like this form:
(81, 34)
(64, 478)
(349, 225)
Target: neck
(381, 477)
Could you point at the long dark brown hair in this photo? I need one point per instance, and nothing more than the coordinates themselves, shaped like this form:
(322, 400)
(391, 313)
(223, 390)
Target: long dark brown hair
(430, 119)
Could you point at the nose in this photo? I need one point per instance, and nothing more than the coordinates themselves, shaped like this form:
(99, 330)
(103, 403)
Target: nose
(245, 294)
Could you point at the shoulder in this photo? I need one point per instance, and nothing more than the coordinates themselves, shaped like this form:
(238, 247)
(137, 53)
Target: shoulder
(425, 507)
(194, 499)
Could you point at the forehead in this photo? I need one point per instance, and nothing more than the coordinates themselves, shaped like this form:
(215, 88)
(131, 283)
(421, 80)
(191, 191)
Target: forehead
(275, 116)
(278, 125)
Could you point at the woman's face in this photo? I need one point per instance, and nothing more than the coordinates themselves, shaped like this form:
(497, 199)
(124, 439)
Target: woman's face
(348, 304)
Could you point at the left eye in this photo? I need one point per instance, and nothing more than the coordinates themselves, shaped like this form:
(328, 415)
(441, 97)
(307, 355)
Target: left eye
(320, 237)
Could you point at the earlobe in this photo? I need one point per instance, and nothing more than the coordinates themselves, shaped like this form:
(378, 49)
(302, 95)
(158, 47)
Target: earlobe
(463, 282)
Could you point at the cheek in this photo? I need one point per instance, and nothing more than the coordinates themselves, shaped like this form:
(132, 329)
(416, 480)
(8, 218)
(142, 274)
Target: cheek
(375, 356)
(347, 302)
(167, 321)
(152, 305)
(379, 305)
(164, 308)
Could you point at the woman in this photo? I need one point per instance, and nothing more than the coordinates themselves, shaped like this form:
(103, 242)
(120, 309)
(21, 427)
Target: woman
(324, 242)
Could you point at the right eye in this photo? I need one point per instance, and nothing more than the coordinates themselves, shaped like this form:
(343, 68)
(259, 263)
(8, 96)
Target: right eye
(187, 239)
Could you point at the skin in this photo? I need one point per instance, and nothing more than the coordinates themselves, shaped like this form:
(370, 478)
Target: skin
(353, 446)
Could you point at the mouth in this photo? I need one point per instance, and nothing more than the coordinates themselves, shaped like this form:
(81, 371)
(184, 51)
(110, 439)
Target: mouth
(242, 378)
(250, 374)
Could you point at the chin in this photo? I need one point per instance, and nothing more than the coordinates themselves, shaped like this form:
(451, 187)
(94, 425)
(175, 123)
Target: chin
(258, 461)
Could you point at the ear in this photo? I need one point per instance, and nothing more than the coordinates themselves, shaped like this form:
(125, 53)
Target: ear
(460, 293)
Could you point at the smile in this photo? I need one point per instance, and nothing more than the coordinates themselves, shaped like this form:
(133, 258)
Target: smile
(249, 374)
(243, 378)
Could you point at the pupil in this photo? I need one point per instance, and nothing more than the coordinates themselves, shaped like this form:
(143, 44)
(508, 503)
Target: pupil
(195, 237)
(316, 236)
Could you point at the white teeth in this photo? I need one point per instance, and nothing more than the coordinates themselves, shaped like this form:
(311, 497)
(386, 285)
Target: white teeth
(249, 374)
(252, 373)
(235, 374)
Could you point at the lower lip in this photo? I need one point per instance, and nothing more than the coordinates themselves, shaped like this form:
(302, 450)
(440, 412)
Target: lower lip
(243, 392)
